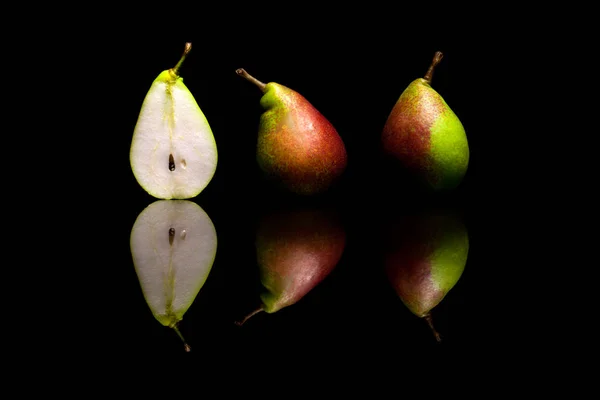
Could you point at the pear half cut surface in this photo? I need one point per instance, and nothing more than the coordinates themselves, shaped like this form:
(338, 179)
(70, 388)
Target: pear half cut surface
(173, 152)
(173, 244)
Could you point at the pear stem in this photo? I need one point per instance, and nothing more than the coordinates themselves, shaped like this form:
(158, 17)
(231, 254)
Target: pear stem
(242, 72)
(186, 50)
(185, 345)
(247, 317)
(430, 323)
(437, 57)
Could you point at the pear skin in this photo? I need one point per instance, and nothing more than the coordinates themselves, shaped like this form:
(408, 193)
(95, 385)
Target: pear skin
(296, 144)
(425, 257)
(426, 136)
(296, 250)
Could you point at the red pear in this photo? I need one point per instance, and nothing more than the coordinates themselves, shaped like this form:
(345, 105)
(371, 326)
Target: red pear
(297, 145)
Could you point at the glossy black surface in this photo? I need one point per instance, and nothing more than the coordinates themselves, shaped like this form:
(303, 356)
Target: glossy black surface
(355, 303)
(354, 312)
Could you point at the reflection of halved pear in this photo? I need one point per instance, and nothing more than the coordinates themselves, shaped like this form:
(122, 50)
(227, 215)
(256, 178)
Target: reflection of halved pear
(173, 245)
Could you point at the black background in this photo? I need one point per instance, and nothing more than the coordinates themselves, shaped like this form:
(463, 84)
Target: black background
(353, 75)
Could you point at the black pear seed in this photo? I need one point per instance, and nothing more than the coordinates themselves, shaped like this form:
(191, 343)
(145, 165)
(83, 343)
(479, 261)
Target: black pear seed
(171, 235)
(171, 163)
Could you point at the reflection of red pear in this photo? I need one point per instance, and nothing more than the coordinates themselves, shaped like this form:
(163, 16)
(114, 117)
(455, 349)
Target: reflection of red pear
(295, 251)
(425, 258)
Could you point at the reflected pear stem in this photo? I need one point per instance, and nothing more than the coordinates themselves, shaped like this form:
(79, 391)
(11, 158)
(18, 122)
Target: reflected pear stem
(185, 345)
(242, 72)
(430, 323)
(175, 69)
(437, 57)
(247, 317)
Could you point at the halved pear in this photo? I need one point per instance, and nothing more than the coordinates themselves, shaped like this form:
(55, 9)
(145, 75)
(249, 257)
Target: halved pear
(173, 152)
(173, 244)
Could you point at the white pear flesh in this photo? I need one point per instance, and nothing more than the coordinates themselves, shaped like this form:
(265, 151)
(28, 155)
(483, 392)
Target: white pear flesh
(173, 244)
(171, 123)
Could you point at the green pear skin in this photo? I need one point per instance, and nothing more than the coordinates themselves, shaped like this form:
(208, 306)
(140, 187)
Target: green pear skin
(426, 136)
(296, 250)
(173, 152)
(173, 246)
(296, 143)
(425, 258)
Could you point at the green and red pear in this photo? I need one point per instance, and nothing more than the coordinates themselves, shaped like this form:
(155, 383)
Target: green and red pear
(296, 249)
(297, 145)
(425, 256)
(425, 135)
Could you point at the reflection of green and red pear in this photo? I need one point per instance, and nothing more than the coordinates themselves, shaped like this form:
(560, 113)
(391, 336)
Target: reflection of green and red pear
(425, 258)
(296, 250)
(426, 136)
(296, 145)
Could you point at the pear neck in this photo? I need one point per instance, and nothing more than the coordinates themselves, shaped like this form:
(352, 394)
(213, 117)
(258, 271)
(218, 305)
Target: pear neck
(437, 57)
